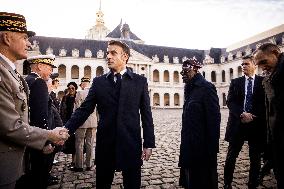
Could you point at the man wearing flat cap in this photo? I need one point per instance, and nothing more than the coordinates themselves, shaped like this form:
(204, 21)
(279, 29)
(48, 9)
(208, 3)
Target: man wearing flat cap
(41, 69)
(200, 130)
(85, 134)
(15, 132)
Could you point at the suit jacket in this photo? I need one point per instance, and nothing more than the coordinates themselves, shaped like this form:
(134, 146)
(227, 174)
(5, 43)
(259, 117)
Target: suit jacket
(200, 123)
(15, 132)
(256, 130)
(118, 139)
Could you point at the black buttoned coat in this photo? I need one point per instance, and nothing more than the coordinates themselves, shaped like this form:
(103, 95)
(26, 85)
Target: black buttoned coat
(118, 140)
(200, 123)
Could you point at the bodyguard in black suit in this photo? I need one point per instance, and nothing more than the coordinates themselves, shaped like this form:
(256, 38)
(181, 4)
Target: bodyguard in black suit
(246, 122)
(121, 97)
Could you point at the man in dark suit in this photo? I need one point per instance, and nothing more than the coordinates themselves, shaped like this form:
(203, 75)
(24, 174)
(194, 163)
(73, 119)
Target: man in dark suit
(121, 97)
(246, 122)
(40, 160)
(200, 130)
(270, 58)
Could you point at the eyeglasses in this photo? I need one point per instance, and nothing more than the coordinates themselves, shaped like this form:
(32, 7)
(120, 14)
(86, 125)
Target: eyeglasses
(71, 88)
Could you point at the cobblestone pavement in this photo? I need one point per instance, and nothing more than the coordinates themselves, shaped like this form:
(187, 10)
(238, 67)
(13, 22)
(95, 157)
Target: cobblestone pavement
(161, 171)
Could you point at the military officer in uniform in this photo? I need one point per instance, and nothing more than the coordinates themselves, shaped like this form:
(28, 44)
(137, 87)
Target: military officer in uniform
(40, 160)
(15, 132)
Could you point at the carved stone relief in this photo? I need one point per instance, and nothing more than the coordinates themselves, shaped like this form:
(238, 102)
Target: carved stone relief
(88, 53)
(166, 59)
(75, 53)
(208, 60)
(155, 58)
(100, 54)
(62, 52)
(49, 50)
(175, 60)
(239, 54)
(222, 59)
(248, 50)
(230, 56)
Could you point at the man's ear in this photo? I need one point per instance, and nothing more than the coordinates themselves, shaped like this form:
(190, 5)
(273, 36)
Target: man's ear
(6, 38)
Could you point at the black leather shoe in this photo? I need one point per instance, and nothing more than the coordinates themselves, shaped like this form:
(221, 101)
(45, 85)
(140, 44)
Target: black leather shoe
(52, 182)
(76, 169)
(53, 177)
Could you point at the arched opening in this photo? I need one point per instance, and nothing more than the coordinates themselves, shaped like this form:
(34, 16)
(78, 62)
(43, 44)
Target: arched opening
(87, 72)
(213, 76)
(240, 72)
(156, 76)
(62, 71)
(75, 72)
(176, 99)
(166, 99)
(99, 71)
(231, 73)
(156, 99)
(224, 99)
(166, 76)
(223, 76)
(176, 77)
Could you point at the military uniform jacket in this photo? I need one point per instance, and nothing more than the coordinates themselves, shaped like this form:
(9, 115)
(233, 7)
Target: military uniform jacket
(38, 101)
(92, 121)
(15, 132)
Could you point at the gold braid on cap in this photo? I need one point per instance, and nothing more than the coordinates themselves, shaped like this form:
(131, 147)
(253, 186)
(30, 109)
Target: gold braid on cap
(42, 60)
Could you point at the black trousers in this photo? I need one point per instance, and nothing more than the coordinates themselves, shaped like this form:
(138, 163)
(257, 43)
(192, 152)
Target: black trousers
(255, 162)
(105, 175)
(202, 175)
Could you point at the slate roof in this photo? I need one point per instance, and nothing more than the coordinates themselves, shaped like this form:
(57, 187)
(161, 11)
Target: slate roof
(278, 39)
(116, 33)
(95, 45)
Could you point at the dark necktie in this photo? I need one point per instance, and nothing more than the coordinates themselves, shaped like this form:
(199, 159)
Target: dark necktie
(118, 79)
(248, 104)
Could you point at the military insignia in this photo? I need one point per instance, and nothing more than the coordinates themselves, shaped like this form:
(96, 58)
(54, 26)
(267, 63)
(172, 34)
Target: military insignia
(24, 106)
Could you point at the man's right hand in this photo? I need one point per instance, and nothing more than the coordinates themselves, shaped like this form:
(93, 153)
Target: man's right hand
(58, 135)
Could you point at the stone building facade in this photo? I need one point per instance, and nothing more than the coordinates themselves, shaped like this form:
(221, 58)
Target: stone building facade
(76, 58)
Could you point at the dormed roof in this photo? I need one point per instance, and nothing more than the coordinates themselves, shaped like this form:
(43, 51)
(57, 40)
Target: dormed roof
(95, 45)
(116, 33)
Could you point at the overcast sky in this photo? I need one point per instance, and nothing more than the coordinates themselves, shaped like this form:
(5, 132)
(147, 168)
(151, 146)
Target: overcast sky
(193, 24)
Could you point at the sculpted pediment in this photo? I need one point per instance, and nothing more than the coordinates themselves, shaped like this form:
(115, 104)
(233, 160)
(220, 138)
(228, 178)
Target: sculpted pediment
(136, 56)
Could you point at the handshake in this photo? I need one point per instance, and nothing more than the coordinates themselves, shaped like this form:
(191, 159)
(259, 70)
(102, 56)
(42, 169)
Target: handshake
(58, 135)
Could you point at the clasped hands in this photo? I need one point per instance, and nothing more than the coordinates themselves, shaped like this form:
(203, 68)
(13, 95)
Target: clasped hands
(247, 117)
(58, 135)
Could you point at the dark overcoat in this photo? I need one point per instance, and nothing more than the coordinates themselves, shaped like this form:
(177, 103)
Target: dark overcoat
(200, 123)
(256, 130)
(119, 131)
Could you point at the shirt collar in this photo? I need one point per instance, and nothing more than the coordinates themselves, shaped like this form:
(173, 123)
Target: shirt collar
(253, 77)
(13, 66)
(125, 71)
